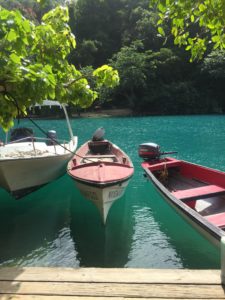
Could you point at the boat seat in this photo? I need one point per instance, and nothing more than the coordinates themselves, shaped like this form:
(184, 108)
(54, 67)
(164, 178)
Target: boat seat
(161, 166)
(217, 219)
(103, 158)
(199, 192)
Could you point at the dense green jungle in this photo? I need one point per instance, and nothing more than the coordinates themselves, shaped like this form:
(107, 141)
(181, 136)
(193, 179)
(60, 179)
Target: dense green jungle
(156, 76)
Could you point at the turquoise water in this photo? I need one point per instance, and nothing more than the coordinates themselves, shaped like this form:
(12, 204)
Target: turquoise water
(56, 226)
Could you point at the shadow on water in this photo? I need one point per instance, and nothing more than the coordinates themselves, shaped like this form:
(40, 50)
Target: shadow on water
(34, 230)
(101, 245)
(193, 249)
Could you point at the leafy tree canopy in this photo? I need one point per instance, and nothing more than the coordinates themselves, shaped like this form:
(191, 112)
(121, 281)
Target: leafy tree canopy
(34, 65)
(214, 65)
(208, 15)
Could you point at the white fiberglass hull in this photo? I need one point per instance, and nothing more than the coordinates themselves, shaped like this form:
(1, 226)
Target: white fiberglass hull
(28, 171)
(102, 196)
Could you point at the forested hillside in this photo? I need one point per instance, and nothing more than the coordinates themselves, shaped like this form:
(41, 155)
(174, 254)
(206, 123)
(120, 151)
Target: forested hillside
(156, 76)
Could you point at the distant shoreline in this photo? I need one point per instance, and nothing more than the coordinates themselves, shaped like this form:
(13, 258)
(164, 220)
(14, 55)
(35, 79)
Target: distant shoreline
(105, 113)
(101, 113)
(125, 112)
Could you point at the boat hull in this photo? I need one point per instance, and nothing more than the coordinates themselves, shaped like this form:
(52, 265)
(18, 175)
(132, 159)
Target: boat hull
(22, 175)
(207, 229)
(102, 196)
(101, 171)
(16, 175)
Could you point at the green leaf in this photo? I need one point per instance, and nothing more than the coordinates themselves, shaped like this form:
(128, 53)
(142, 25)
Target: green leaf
(26, 26)
(202, 7)
(16, 59)
(12, 36)
(161, 31)
(4, 14)
(161, 7)
(174, 31)
(215, 38)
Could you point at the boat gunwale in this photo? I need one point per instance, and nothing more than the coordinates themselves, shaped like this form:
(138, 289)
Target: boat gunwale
(97, 163)
(101, 184)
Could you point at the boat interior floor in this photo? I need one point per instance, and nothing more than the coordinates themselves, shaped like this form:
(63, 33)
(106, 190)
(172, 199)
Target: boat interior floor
(207, 204)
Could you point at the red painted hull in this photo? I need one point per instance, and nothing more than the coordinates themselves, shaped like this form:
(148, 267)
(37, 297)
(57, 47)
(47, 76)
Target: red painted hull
(195, 191)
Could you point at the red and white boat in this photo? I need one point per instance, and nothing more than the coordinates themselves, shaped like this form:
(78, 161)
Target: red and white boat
(194, 191)
(101, 171)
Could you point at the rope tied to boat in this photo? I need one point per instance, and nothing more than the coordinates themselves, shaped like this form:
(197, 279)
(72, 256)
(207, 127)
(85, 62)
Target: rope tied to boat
(164, 173)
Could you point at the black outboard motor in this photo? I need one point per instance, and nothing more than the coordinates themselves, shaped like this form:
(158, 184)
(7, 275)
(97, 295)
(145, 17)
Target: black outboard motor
(149, 151)
(51, 138)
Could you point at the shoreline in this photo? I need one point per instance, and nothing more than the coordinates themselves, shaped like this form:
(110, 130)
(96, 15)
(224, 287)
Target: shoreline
(103, 113)
(126, 112)
(106, 113)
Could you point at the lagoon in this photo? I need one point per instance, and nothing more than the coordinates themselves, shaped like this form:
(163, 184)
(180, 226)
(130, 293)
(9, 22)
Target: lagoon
(56, 226)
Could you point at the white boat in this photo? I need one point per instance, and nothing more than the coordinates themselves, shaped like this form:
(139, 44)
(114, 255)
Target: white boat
(28, 162)
(101, 172)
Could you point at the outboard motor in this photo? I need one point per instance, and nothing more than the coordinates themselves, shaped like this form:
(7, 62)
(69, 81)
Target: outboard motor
(149, 151)
(51, 138)
(98, 134)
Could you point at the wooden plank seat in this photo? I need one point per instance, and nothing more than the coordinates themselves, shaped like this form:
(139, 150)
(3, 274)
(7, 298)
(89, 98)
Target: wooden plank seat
(199, 192)
(106, 155)
(96, 158)
(163, 165)
(217, 219)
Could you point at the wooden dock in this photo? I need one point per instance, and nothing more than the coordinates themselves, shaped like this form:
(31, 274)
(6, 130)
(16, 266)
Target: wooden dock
(113, 284)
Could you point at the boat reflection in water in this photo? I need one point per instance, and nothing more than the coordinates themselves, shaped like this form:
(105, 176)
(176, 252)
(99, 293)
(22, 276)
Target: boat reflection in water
(98, 245)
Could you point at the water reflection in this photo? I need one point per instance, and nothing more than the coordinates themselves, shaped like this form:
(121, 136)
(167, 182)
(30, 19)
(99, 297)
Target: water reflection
(98, 245)
(150, 246)
(191, 247)
(34, 230)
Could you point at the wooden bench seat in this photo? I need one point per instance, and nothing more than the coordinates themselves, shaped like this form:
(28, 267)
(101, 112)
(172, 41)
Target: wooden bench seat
(217, 219)
(199, 192)
(100, 156)
(96, 158)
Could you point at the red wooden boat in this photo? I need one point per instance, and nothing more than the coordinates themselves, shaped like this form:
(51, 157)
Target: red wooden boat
(101, 171)
(194, 191)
